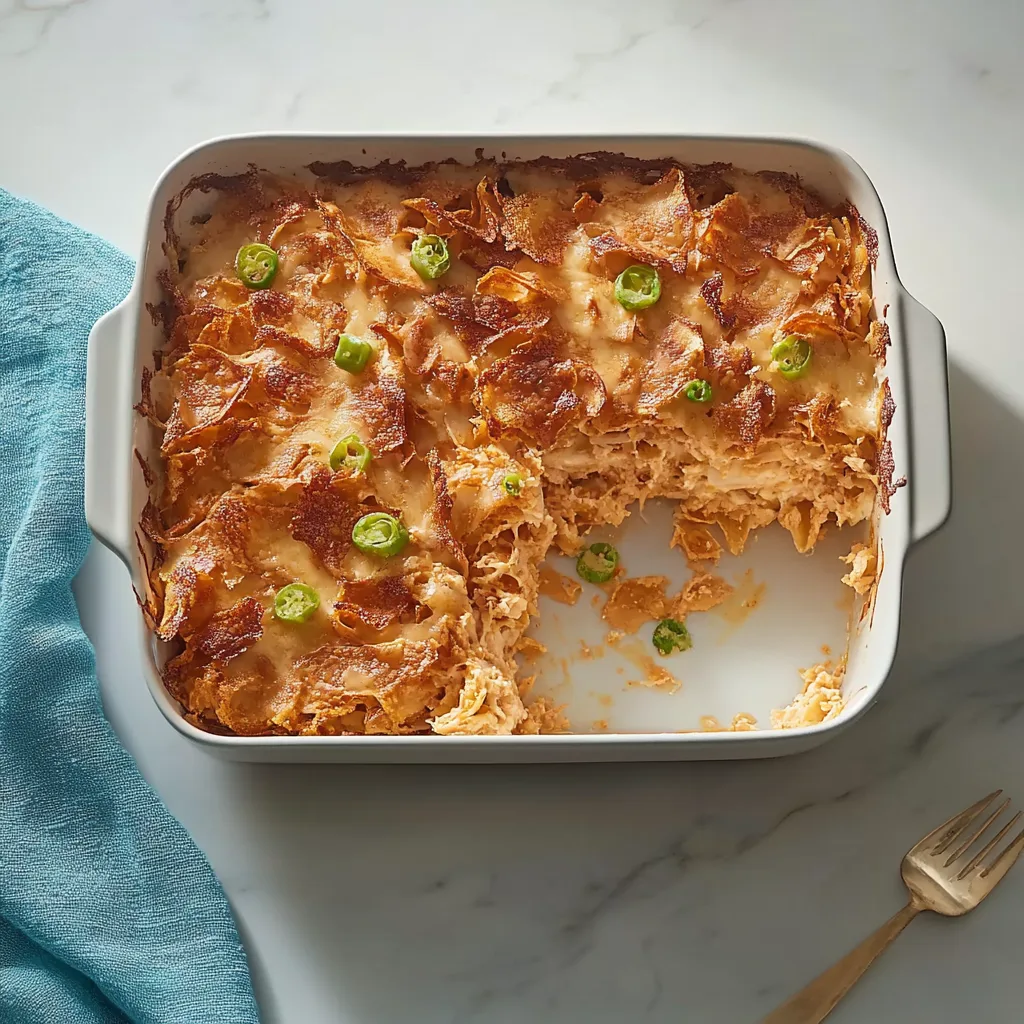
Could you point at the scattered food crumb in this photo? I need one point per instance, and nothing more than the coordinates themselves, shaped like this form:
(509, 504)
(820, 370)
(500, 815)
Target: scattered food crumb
(635, 601)
(740, 723)
(544, 716)
(605, 700)
(861, 576)
(601, 725)
(701, 593)
(563, 664)
(826, 650)
(655, 677)
(820, 700)
(668, 683)
(531, 649)
(696, 541)
(558, 586)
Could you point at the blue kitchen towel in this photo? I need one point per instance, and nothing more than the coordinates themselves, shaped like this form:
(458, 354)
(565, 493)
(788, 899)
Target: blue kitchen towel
(108, 911)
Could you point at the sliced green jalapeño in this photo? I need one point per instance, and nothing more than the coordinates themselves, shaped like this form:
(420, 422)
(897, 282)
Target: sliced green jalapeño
(352, 353)
(698, 391)
(671, 635)
(380, 534)
(295, 602)
(638, 287)
(597, 564)
(351, 452)
(792, 356)
(256, 265)
(513, 484)
(429, 257)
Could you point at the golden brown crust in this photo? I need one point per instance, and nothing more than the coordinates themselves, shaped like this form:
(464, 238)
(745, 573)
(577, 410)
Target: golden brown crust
(376, 602)
(441, 514)
(519, 360)
(536, 394)
(326, 511)
(675, 358)
(651, 224)
(711, 293)
(381, 404)
(231, 632)
(748, 414)
(536, 224)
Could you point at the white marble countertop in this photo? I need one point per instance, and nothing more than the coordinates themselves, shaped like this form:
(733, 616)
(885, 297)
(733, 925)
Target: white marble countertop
(665, 892)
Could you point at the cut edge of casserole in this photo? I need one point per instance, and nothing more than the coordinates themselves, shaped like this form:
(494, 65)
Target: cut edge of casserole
(517, 360)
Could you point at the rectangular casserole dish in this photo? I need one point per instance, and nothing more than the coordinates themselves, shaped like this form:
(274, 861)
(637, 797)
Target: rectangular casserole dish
(122, 342)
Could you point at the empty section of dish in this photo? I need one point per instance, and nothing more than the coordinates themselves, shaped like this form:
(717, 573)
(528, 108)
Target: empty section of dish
(785, 613)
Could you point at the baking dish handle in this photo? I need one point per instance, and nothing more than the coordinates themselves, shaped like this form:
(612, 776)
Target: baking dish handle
(928, 387)
(108, 430)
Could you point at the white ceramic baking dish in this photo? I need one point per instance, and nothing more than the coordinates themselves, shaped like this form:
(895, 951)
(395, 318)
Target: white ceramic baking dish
(642, 725)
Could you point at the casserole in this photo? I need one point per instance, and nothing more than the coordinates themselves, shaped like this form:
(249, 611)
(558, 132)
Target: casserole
(121, 344)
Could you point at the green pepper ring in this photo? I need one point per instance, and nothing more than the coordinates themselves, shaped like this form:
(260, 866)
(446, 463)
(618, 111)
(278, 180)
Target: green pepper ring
(352, 353)
(296, 602)
(792, 356)
(638, 287)
(513, 484)
(380, 534)
(699, 391)
(256, 265)
(429, 257)
(671, 635)
(597, 563)
(350, 451)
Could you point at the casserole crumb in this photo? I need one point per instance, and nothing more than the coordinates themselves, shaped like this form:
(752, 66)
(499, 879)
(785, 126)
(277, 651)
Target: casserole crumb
(861, 576)
(821, 699)
(741, 722)
(701, 593)
(634, 601)
(543, 716)
(655, 676)
(558, 586)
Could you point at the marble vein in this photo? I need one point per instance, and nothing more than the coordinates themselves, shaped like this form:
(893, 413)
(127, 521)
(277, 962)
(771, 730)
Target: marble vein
(25, 25)
(570, 85)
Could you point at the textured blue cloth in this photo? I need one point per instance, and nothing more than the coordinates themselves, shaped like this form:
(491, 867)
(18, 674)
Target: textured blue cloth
(108, 911)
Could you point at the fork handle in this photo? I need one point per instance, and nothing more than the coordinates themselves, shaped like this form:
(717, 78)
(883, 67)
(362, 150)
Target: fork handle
(815, 1002)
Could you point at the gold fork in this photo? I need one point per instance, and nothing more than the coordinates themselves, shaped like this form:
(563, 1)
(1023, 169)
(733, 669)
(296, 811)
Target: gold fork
(938, 878)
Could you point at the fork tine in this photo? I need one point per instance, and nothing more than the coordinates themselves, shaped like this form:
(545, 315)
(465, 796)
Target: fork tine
(988, 847)
(976, 834)
(995, 871)
(947, 832)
